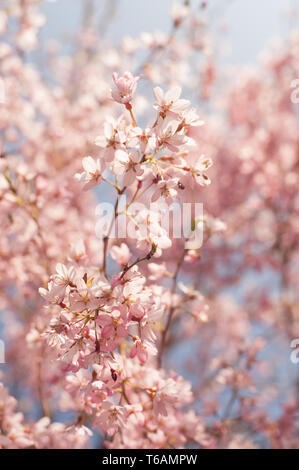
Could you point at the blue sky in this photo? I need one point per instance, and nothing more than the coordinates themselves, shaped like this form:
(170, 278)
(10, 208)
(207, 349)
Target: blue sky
(250, 23)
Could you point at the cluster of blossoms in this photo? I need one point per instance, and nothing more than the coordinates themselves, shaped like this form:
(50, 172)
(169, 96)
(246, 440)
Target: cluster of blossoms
(16, 434)
(146, 340)
(155, 155)
(104, 327)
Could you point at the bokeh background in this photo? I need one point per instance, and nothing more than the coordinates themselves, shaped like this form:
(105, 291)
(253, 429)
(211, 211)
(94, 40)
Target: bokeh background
(244, 26)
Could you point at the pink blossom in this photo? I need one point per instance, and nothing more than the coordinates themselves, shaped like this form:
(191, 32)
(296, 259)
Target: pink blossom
(167, 189)
(142, 349)
(121, 254)
(83, 297)
(92, 174)
(169, 102)
(64, 276)
(54, 294)
(78, 251)
(157, 270)
(114, 138)
(198, 171)
(111, 418)
(168, 135)
(125, 87)
(133, 169)
(165, 397)
(113, 328)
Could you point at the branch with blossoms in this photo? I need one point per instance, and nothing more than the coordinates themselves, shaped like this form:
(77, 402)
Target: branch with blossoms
(116, 324)
(113, 329)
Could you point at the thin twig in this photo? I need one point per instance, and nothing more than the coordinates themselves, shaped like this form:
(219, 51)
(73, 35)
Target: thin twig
(138, 260)
(106, 238)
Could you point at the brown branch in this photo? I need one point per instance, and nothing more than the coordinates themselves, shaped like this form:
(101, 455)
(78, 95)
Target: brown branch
(138, 260)
(106, 238)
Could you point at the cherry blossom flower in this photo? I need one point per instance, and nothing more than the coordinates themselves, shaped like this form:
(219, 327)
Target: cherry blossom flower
(169, 102)
(127, 165)
(166, 396)
(166, 189)
(120, 163)
(151, 232)
(157, 271)
(142, 349)
(54, 294)
(167, 135)
(133, 169)
(83, 297)
(145, 138)
(111, 418)
(92, 174)
(78, 251)
(121, 254)
(125, 87)
(65, 276)
(114, 138)
(198, 171)
(190, 118)
(113, 328)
